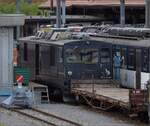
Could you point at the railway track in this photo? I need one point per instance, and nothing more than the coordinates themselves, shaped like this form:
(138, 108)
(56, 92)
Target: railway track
(44, 117)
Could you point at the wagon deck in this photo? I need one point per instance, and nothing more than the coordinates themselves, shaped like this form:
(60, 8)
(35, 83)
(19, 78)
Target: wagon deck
(106, 92)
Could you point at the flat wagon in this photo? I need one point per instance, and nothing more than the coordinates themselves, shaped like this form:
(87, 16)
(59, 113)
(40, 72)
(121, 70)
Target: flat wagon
(105, 95)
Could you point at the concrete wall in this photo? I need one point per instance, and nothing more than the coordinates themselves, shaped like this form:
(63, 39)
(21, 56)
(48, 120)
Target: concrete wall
(7, 22)
(6, 57)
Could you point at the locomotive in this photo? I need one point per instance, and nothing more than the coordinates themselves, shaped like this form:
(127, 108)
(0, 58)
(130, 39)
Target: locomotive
(58, 56)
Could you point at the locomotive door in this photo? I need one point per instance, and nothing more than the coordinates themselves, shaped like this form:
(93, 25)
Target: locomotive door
(44, 60)
(105, 62)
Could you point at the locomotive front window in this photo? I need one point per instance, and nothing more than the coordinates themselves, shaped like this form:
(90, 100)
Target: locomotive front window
(80, 55)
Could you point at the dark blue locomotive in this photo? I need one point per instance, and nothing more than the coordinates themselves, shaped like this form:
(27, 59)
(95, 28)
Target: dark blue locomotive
(55, 61)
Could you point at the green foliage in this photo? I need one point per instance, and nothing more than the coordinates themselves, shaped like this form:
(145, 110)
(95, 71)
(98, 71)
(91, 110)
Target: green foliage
(1, 124)
(29, 9)
(25, 8)
(7, 8)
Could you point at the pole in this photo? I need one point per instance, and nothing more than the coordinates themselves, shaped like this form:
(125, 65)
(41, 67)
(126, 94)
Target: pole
(148, 99)
(63, 12)
(138, 68)
(93, 91)
(17, 6)
(122, 13)
(58, 14)
(148, 89)
(147, 13)
(52, 6)
(17, 11)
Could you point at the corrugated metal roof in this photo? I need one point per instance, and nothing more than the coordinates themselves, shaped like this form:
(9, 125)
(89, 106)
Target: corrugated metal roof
(94, 3)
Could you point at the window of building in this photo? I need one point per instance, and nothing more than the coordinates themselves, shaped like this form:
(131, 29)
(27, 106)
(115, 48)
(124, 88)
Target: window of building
(52, 56)
(131, 59)
(25, 52)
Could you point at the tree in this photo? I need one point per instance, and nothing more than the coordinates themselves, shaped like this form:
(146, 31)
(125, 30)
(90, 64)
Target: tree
(25, 8)
(29, 9)
(7, 8)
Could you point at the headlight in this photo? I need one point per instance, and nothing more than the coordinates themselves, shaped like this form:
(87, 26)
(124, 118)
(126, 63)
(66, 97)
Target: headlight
(70, 73)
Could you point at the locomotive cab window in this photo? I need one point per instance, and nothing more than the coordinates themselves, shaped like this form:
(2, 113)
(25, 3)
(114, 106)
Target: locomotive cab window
(80, 55)
(105, 55)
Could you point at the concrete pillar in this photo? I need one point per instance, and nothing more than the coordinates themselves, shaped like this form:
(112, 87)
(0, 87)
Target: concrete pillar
(122, 13)
(63, 12)
(147, 13)
(7, 22)
(58, 14)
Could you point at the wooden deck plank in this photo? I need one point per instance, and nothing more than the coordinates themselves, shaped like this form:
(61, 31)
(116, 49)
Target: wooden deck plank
(119, 94)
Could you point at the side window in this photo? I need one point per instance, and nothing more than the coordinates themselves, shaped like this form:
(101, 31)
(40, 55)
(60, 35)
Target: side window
(60, 59)
(105, 55)
(25, 52)
(131, 59)
(145, 59)
(52, 56)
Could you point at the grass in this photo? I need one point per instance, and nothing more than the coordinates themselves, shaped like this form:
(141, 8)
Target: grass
(1, 124)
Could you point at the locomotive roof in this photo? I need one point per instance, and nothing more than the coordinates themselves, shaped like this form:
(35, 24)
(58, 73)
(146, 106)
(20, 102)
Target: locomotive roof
(127, 41)
(43, 41)
(137, 42)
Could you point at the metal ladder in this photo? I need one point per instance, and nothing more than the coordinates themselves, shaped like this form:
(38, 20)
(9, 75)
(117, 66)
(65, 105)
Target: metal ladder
(45, 96)
(40, 94)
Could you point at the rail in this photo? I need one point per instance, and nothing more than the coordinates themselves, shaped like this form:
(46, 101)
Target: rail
(44, 117)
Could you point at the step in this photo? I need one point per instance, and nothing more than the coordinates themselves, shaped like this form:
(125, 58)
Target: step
(44, 96)
(44, 101)
(40, 93)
